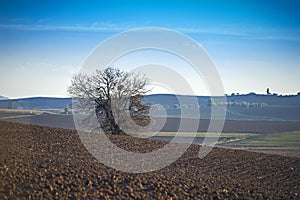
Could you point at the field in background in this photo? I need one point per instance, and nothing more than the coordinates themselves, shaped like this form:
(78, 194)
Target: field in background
(269, 137)
(199, 137)
(286, 143)
(10, 113)
(287, 139)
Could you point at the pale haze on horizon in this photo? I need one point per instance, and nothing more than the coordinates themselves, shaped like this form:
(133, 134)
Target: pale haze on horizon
(255, 45)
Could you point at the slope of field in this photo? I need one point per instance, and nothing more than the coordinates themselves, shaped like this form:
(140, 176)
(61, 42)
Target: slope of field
(172, 124)
(39, 162)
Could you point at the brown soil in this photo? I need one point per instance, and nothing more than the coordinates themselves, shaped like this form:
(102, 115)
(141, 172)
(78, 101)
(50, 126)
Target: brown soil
(40, 162)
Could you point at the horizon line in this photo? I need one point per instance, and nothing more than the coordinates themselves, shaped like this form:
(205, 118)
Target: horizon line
(225, 95)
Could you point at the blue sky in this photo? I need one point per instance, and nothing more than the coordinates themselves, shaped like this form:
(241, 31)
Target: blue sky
(254, 44)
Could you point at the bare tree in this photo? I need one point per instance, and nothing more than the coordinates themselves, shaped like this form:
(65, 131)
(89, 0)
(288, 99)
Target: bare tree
(114, 95)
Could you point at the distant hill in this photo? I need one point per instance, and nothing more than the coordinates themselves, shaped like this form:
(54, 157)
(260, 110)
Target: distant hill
(247, 107)
(35, 103)
(274, 100)
(3, 98)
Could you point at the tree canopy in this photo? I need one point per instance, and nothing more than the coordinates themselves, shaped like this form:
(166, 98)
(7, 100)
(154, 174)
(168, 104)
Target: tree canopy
(116, 97)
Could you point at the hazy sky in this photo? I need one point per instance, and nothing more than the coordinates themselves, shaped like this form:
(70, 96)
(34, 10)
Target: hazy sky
(254, 44)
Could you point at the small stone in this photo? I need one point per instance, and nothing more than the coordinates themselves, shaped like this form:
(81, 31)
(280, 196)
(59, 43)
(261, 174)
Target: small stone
(51, 188)
(90, 184)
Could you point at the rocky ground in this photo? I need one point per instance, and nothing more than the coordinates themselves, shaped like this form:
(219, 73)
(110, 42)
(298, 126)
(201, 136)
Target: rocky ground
(51, 163)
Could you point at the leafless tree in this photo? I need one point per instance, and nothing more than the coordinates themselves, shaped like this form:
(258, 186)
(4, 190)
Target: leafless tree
(114, 95)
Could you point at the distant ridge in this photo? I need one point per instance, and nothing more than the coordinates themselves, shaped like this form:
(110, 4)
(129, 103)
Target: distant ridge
(239, 107)
(34, 103)
(3, 98)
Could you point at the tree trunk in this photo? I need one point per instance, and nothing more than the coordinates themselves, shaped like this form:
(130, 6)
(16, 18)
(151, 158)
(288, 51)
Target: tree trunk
(114, 128)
